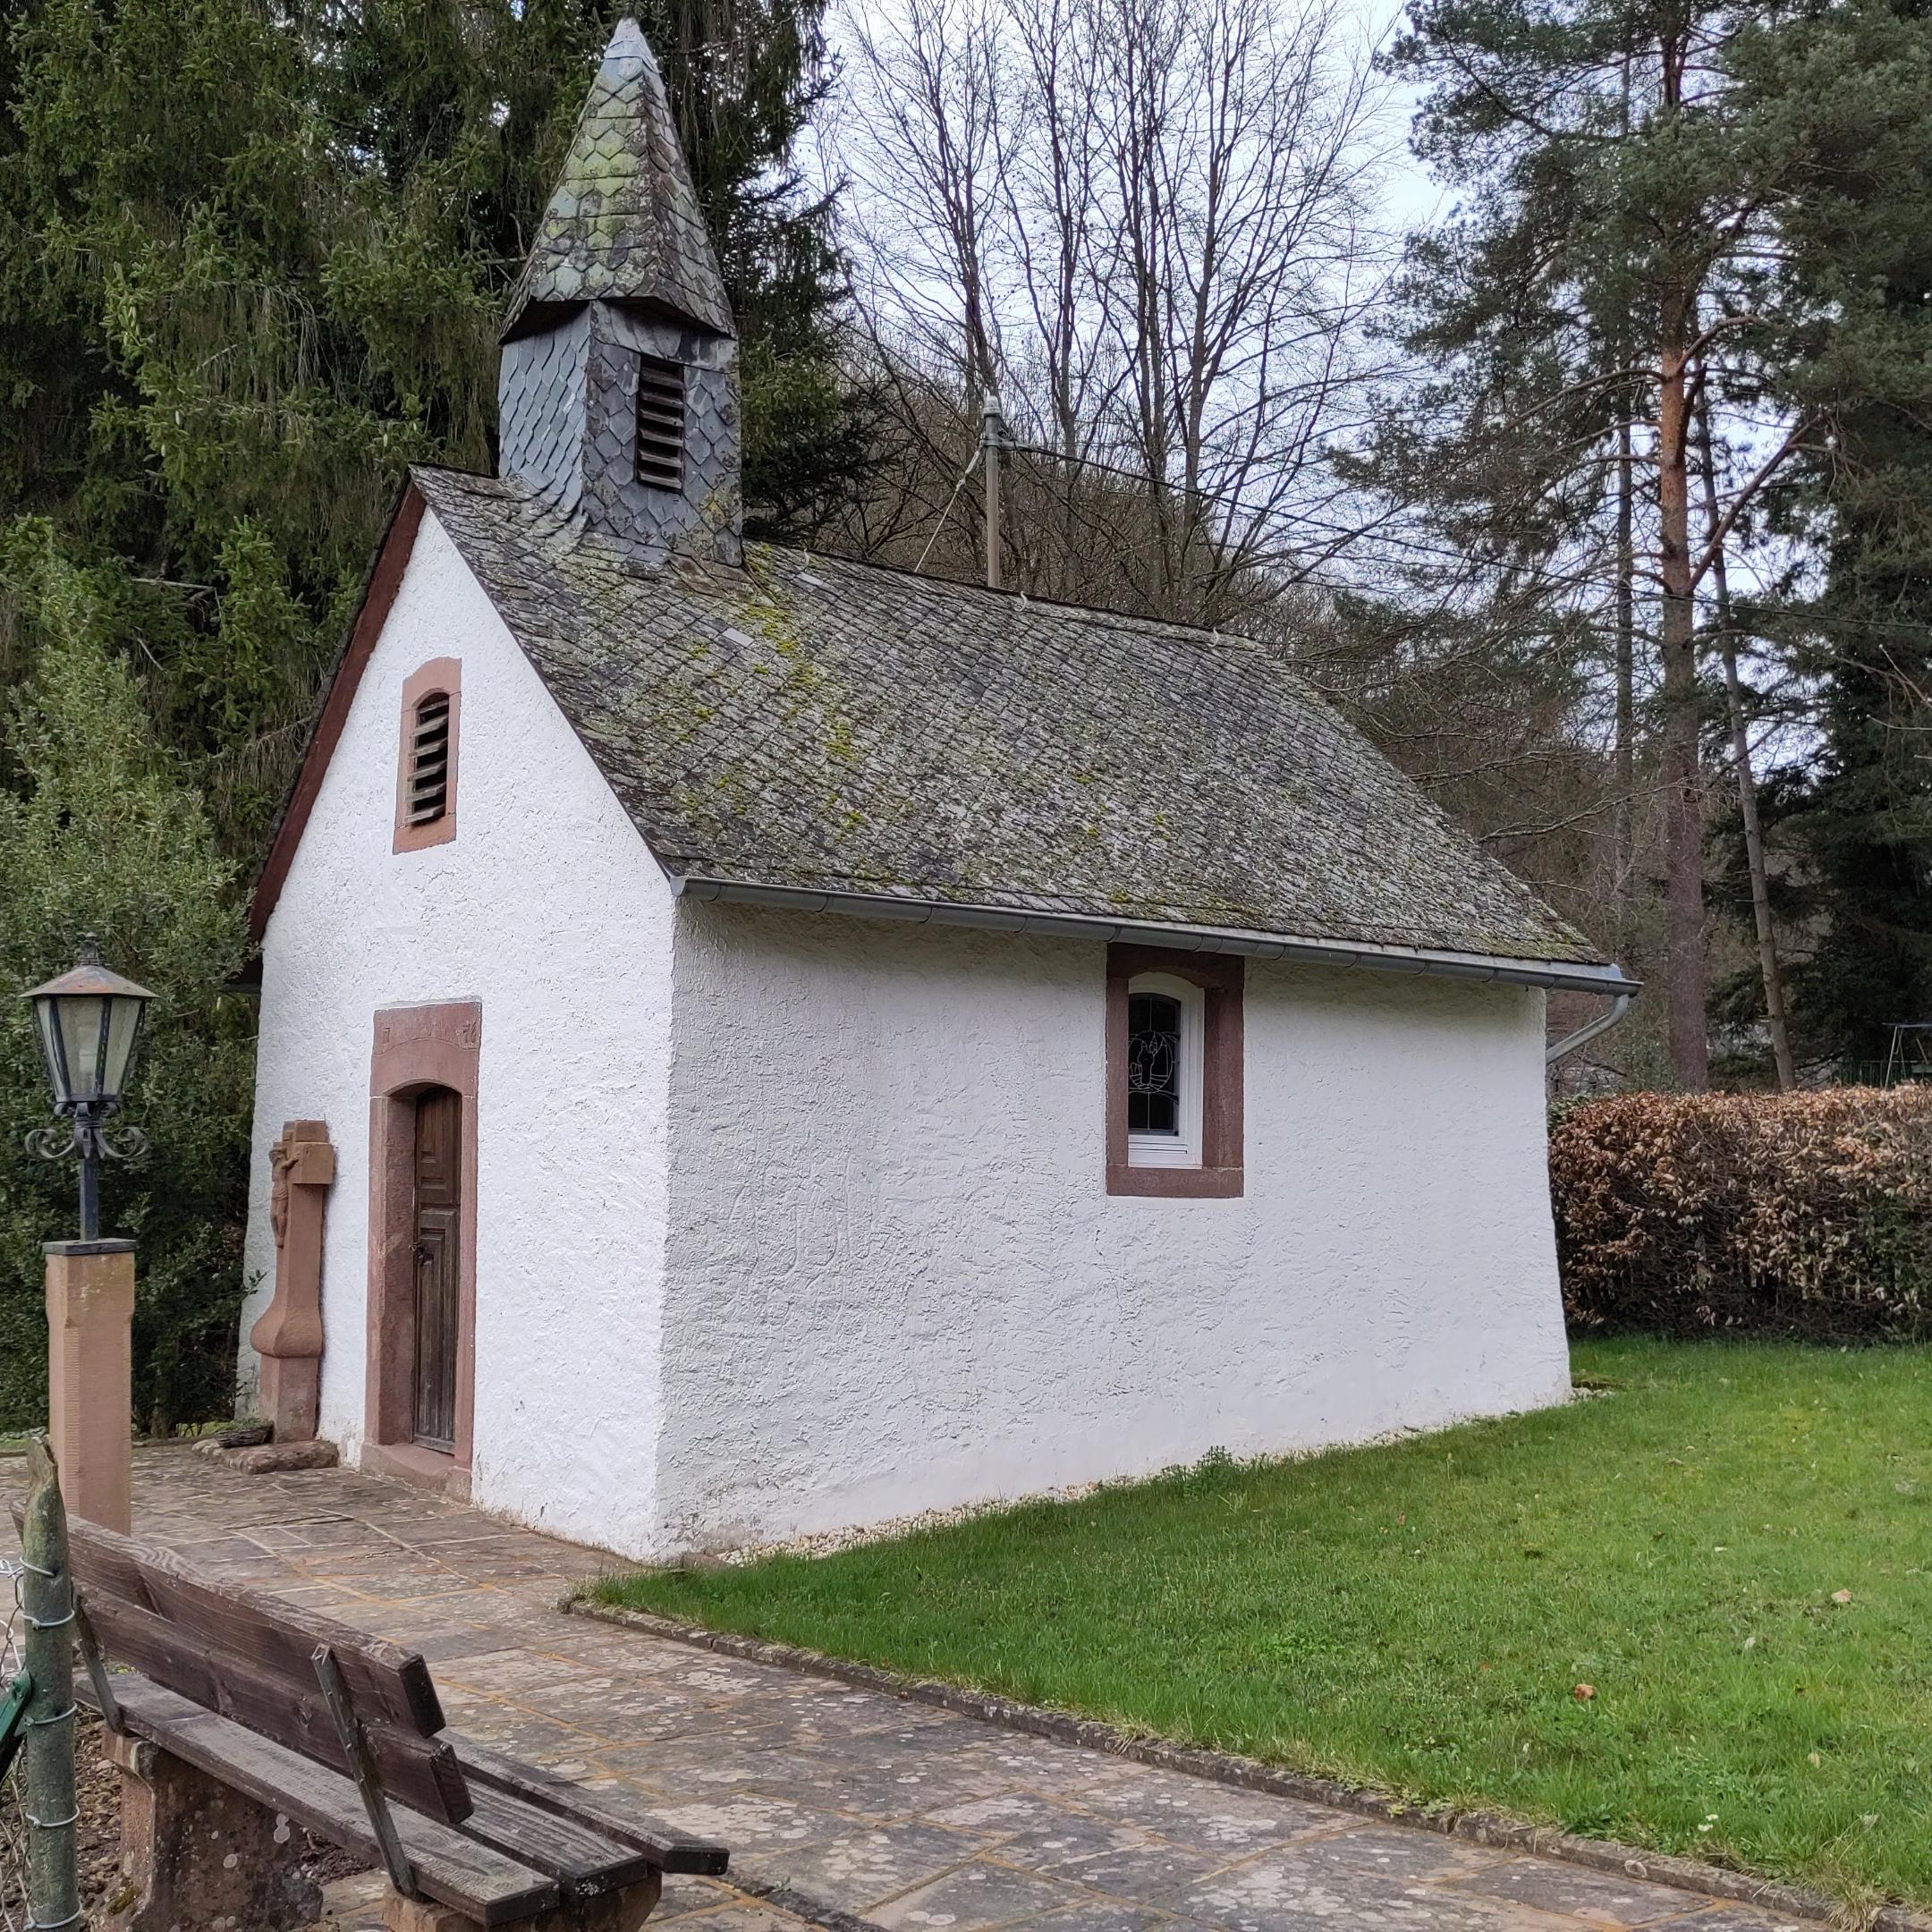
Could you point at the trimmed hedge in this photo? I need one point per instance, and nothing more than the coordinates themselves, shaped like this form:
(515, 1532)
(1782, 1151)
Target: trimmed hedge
(1804, 1215)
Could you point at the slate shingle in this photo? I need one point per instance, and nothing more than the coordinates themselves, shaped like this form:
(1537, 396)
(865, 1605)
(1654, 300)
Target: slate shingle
(624, 224)
(823, 726)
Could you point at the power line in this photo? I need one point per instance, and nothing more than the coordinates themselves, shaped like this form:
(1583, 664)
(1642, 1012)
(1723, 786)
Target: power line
(1766, 617)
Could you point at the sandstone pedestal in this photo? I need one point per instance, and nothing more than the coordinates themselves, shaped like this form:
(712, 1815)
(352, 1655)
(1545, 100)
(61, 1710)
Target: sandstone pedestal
(91, 1322)
(195, 1853)
(288, 1334)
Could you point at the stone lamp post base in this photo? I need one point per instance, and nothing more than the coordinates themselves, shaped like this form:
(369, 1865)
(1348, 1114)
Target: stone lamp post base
(90, 1370)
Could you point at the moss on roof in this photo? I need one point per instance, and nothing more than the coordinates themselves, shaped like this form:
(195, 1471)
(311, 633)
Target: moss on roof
(824, 725)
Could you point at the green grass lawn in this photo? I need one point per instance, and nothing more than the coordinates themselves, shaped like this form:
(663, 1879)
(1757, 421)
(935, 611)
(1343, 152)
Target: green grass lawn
(1417, 1616)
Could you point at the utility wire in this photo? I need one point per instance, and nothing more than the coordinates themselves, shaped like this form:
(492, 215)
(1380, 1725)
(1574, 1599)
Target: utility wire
(1767, 618)
(947, 512)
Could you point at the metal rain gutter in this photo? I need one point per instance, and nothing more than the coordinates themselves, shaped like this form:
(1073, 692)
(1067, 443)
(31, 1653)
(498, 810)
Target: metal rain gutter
(1552, 975)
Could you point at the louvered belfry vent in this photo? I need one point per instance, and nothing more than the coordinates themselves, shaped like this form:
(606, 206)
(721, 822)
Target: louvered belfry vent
(660, 423)
(429, 743)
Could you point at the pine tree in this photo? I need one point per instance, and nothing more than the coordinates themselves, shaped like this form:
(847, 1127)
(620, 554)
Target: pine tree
(1626, 179)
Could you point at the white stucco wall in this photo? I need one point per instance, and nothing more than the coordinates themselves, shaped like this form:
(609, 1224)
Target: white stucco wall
(896, 1280)
(787, 1222)
(548, 909)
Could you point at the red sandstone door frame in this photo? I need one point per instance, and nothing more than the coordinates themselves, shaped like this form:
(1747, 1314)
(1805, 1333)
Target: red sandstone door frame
(417, 1047)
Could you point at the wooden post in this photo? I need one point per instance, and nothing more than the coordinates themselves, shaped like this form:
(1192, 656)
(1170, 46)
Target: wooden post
(362, 1766)
(90, 1398)
(48, 1759)
(992, 435)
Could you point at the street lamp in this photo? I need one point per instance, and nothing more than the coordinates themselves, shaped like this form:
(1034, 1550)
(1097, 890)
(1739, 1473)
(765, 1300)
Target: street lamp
(89, 1024)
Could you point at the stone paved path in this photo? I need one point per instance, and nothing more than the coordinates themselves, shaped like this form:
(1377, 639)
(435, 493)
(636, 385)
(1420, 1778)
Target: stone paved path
(909, 1816)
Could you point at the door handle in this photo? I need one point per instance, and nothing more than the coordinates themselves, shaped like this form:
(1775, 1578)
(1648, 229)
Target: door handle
(424, 1253)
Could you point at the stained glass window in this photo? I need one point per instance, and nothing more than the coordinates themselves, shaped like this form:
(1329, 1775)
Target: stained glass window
(1153, 1063)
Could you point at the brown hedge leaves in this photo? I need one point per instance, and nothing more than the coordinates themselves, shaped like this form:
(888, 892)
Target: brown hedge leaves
(1805, 1214)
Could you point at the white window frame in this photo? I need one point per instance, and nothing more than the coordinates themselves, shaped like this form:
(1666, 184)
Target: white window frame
(1183, 1148)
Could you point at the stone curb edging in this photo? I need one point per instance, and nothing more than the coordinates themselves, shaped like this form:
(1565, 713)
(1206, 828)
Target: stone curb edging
(1247, 1774)
(771, 1892)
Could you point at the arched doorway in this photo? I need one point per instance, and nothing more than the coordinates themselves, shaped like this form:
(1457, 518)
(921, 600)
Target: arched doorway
(419, 1406)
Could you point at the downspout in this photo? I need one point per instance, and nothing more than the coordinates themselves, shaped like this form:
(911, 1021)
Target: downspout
(1583, 1036)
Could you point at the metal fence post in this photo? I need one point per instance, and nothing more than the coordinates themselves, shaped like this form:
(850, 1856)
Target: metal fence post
(46, 1768)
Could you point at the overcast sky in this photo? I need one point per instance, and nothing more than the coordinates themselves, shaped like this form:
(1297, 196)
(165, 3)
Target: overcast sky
(1410, 198)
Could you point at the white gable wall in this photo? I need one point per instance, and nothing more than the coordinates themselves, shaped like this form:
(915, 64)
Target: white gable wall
(896, 1280)
(546, 908)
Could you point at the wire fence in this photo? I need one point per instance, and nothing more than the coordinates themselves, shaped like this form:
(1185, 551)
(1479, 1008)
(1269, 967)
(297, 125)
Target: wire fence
(13, 1814)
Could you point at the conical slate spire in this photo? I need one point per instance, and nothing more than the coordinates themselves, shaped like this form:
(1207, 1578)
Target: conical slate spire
(623, 224)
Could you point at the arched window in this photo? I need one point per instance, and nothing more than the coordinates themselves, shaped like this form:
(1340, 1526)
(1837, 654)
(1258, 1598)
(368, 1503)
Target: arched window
(1164, 1072)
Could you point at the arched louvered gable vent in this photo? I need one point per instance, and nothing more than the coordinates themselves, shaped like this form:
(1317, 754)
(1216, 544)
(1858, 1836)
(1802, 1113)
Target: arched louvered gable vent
(427, 755)
(660, 423)
(430, 758)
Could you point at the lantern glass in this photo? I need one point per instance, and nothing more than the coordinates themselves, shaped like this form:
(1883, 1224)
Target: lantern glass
(120, 1044)
(81, 1020)
(46, 1029)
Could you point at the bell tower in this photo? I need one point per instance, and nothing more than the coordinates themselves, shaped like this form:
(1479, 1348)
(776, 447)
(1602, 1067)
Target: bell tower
(617, 382)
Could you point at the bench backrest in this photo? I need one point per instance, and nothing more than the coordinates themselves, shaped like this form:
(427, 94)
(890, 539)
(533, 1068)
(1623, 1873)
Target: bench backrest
(251, 1657)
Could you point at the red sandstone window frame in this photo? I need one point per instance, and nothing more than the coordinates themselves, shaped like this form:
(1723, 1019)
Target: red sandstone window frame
(444, 676)
(1222, 978)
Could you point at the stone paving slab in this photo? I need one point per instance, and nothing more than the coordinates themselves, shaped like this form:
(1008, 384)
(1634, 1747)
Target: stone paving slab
(832, 1798)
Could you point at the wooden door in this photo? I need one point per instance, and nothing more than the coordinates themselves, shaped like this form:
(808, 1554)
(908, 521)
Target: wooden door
(438, 1205)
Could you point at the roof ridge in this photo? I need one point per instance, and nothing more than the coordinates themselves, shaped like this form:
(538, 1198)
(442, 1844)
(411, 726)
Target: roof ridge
(1030, 600)
(1097, 614)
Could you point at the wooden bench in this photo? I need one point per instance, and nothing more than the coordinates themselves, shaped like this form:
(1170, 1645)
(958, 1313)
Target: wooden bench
(239, 1714)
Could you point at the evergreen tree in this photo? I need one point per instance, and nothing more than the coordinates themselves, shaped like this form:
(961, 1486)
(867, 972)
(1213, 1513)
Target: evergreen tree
(1495, 636)
(256, 257)
(101, 834)
(1856, 814)
(1627, 179)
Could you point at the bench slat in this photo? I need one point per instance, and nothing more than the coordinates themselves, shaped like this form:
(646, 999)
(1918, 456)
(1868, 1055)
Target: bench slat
(384, 1679)
(449, 1867)
(584, 1863)
(487, 1769)
(418, 1772)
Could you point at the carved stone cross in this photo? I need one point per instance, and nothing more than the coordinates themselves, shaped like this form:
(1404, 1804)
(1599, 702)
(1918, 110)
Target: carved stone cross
(288, 1334)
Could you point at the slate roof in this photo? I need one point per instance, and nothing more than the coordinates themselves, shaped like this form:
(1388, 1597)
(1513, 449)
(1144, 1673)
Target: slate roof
(822, 725)
(624, 224)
